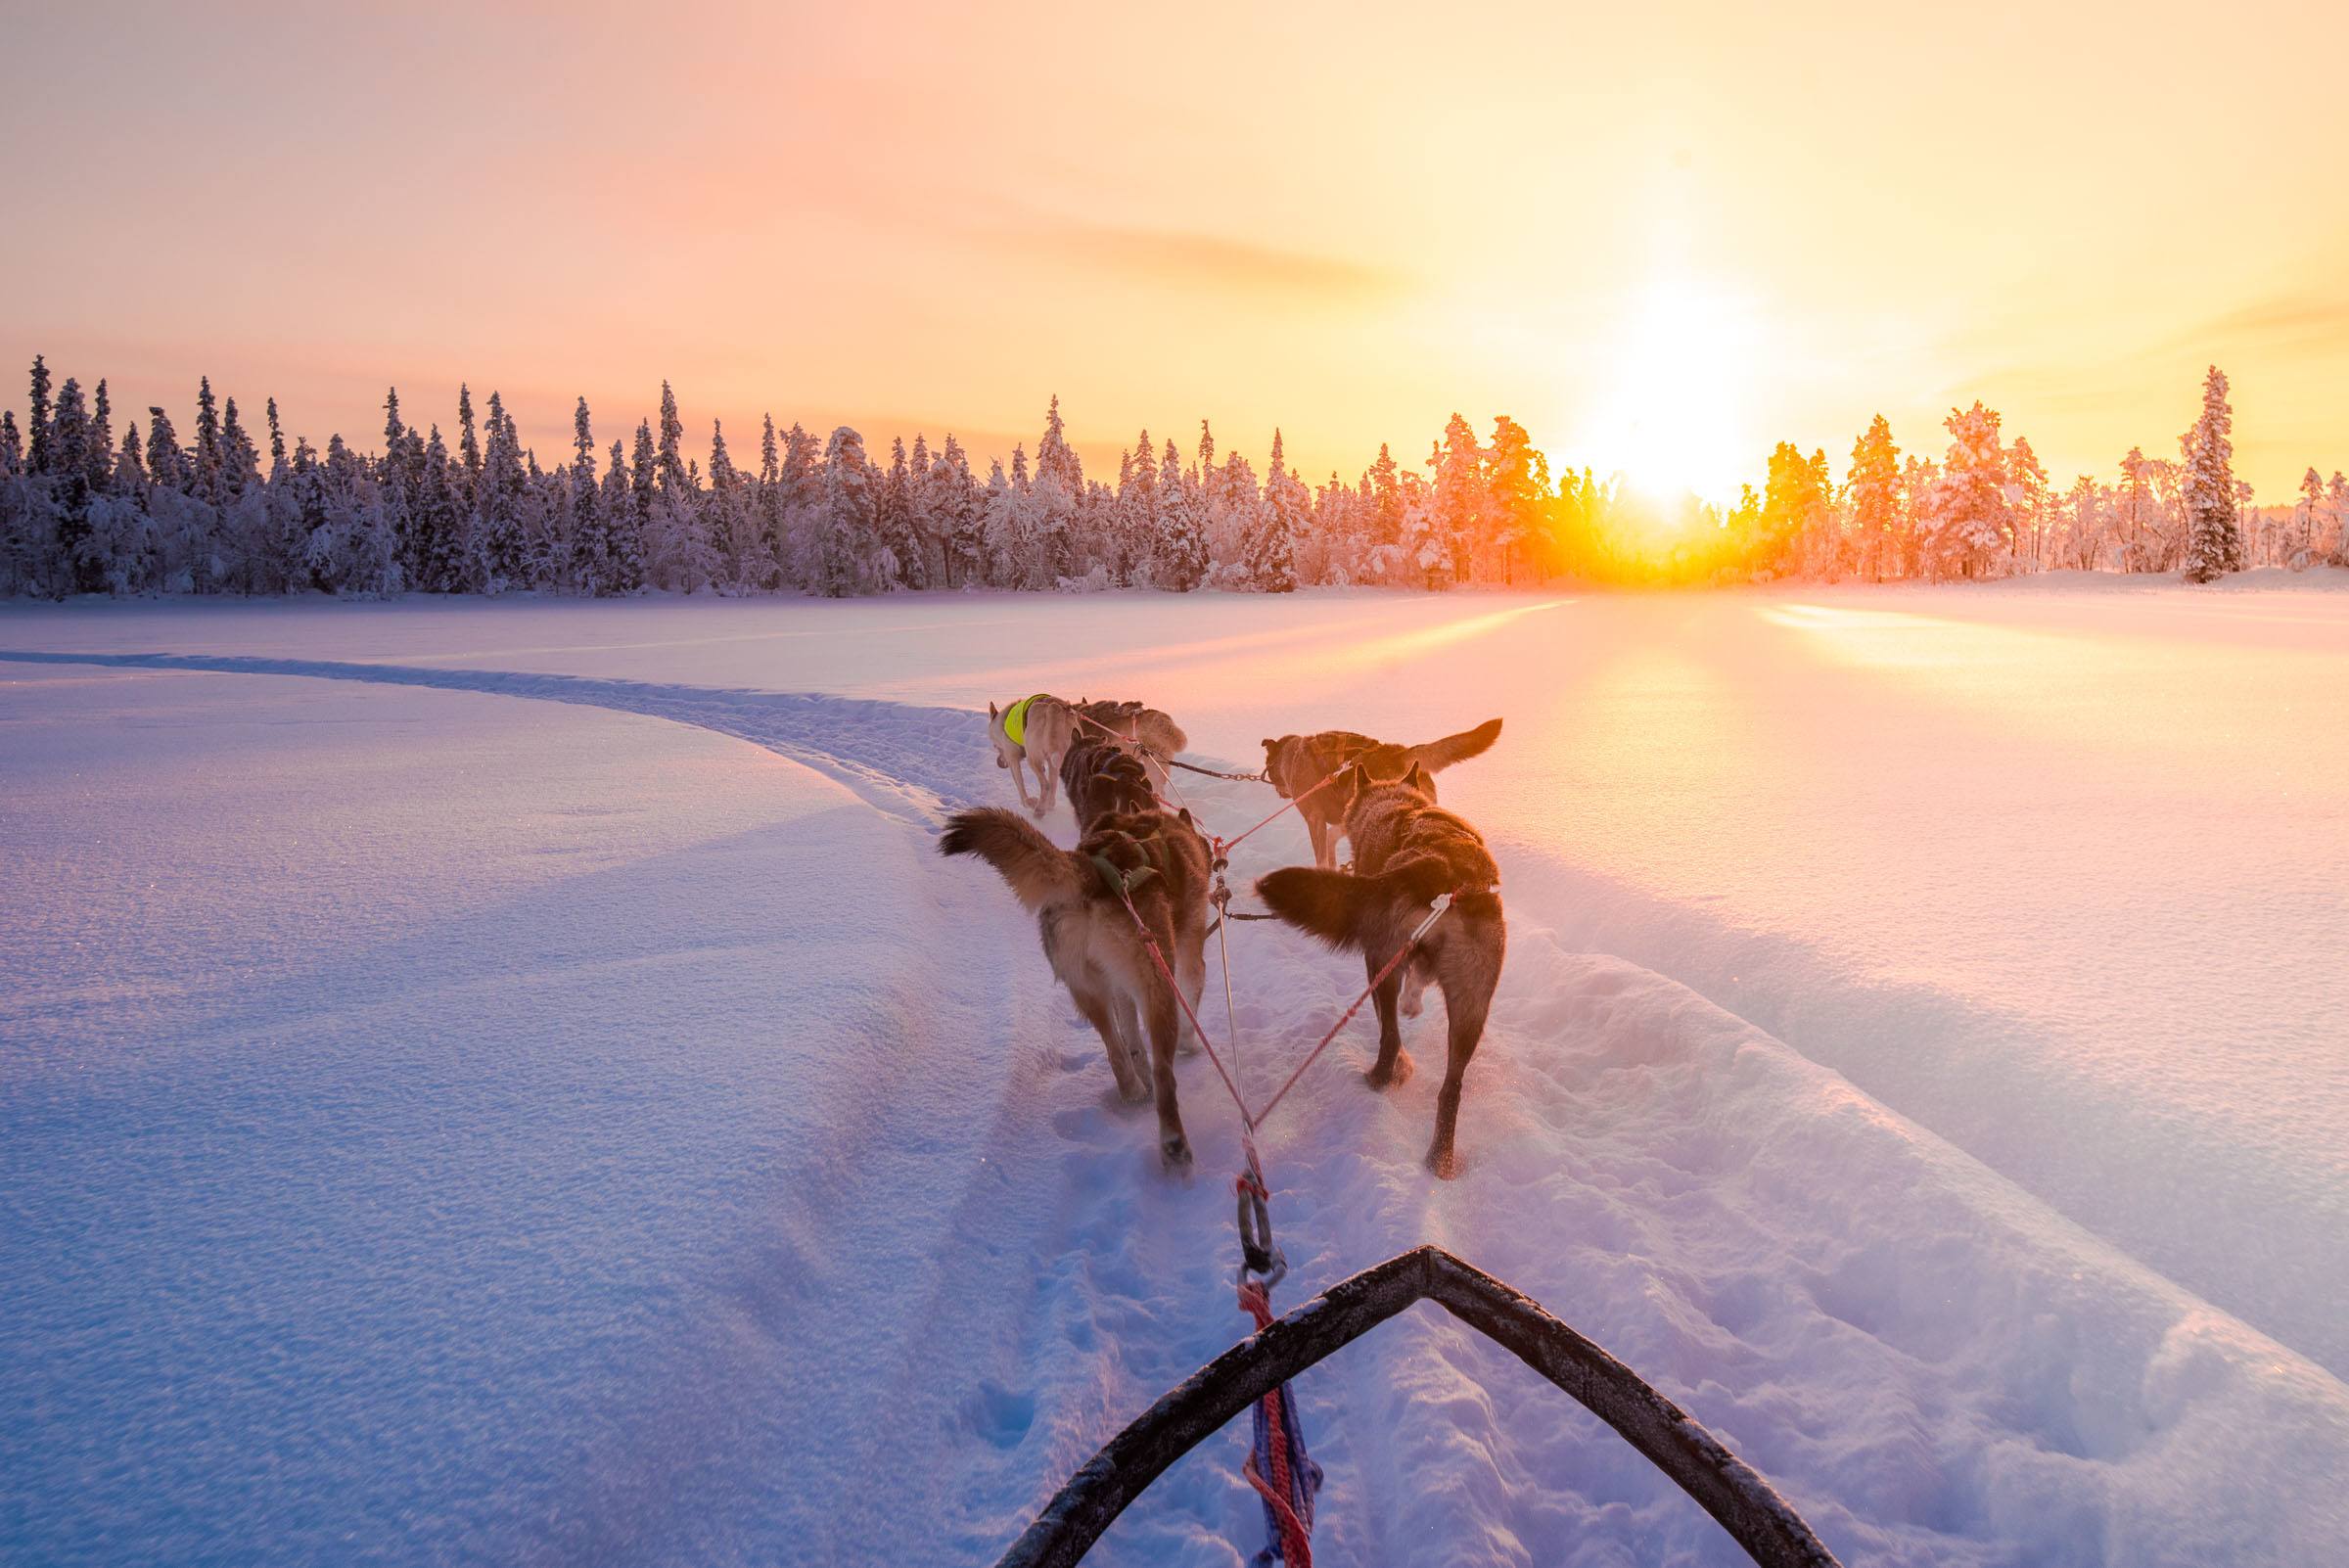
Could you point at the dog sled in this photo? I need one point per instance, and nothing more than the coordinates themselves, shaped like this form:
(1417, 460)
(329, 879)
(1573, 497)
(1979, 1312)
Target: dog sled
(1739, 1499)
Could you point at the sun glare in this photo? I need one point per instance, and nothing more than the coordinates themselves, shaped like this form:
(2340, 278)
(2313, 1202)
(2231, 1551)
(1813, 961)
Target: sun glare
(1674, 418)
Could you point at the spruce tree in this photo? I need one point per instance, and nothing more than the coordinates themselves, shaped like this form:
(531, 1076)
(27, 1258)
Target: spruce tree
(1178, 548)
(768, 500)
(100, 446)
(623, 568)
(208, 443)
(240, 461)
(11, 445)
(893, 521)
(1516, 483)
(642, 466)
(37, 417)
(500, 553)
(850, 506)
(1385, 498)
(2308, 521)
(1461, 502)
(166, 463)
(590, 540)
(2214, 536)
(1273, 546)
(439, 563)
(1874, 484)
(80, 572)
(958, 512)
(671, 474)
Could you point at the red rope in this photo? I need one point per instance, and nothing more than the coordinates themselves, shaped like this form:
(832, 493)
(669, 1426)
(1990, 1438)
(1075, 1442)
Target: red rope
(1182, 1002)
(1296, 1543)
(1356, 1006)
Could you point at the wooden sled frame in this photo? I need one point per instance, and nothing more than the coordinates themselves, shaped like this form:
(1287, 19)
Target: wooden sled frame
(1729, 1489)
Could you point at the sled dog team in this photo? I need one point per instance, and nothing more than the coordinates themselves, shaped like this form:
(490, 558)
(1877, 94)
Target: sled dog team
(1110, 757)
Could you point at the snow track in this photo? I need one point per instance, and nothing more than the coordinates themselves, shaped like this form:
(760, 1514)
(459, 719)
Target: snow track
(888, 1257)
(900, 760)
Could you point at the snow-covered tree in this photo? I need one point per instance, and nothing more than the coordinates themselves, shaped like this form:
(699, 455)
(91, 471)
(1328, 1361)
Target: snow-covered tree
(1178, 558)
(2032, 505)
(1966, 521)
(2214, 536)
(37, 416)
(958, 512)
(850, 557)
(1873, 486)
(500, 545)
(1456, 469)
(2336, 498)
(2308, 527)
(1281, 520)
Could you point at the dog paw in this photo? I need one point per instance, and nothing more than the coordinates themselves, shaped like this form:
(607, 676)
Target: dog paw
(1135, 1094)
(1398, 1074)
(1176, 1150)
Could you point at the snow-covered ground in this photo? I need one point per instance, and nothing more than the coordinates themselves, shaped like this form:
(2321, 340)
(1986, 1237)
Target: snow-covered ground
(475, 1107)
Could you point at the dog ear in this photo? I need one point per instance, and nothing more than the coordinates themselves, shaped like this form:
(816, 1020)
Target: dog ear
(1420, 779)
(991, 712)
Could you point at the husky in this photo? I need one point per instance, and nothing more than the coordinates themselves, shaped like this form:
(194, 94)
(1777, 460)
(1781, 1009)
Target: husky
(1103, 778)
(1161, 862)
(1038, 731)
(1135, 723)
(1407, 850)
(1297, 763)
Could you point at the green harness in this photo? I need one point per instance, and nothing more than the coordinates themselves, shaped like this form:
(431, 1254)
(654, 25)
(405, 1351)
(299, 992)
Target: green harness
(1015, 720)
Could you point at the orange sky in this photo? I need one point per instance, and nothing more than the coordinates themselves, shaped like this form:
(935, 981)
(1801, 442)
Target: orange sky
(1661, 240)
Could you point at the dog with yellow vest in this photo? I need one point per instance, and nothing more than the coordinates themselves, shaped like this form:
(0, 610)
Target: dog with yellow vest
(1035, 734)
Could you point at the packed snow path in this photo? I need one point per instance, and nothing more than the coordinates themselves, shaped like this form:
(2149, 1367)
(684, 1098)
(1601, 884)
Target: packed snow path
(756, 1197)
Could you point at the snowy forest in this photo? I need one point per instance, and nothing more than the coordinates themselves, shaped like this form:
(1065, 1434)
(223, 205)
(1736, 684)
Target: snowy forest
(232, 510)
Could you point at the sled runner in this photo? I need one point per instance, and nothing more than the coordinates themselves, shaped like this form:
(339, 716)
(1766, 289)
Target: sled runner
(1744, 1505)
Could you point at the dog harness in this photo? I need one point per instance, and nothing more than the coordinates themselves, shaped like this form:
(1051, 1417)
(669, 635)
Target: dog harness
(1015, 721)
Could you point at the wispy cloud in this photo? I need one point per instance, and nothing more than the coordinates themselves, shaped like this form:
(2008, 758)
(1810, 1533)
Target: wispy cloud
(2307, 321)
(1193, 260)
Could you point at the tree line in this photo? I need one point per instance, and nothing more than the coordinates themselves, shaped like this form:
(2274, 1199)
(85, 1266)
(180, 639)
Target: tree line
(229, 510)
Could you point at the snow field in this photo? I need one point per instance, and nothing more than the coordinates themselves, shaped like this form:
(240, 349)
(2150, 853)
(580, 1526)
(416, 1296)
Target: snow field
(725, 1180)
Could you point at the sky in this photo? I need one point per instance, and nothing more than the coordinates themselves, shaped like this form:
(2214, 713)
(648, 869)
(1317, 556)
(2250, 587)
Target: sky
(1662, 241)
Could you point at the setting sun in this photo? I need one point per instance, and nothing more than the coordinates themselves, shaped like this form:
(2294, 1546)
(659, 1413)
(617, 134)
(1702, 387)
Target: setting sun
(1675, 416)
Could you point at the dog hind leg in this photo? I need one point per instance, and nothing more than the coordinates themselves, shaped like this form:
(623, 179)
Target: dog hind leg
(1133, 1087)
(1393, 1064)
(1465, 1004)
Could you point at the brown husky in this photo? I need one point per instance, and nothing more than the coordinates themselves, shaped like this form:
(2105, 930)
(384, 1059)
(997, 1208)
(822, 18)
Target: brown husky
(1091, 941)
(1039, 730)
(1296, 763)
(1103, 778)
(1407, 849)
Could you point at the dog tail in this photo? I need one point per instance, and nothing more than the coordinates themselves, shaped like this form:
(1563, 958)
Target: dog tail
(1436, 756)
(1329, 904)
(1039, 874)
(1336, 906)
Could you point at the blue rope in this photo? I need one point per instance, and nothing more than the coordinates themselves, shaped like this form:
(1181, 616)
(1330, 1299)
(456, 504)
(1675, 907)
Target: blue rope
(1305, 1476)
